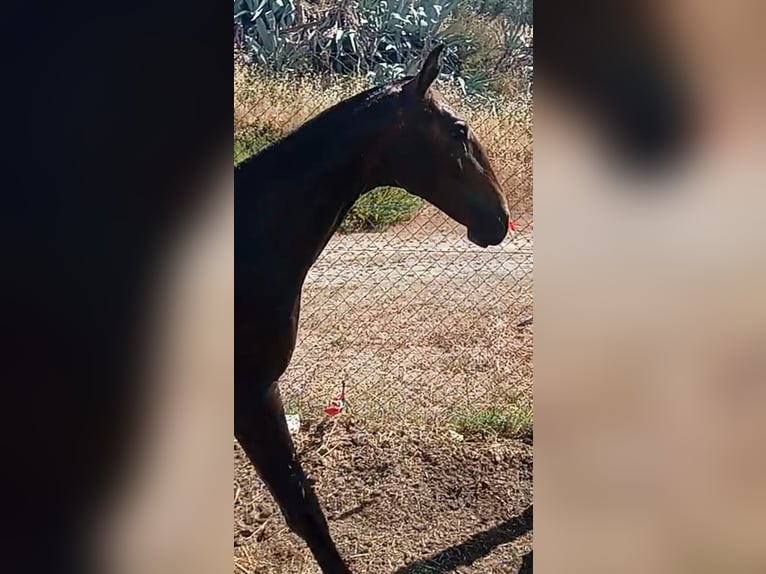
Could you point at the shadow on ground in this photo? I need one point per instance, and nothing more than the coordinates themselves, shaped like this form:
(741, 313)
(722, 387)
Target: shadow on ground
(477, 546)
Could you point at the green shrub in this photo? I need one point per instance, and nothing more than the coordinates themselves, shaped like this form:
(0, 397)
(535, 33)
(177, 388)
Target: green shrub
(360, 36)
(379, 209)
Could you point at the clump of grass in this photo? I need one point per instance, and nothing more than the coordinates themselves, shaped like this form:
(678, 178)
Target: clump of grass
(379, 209)
(293, 406)
(514, 421)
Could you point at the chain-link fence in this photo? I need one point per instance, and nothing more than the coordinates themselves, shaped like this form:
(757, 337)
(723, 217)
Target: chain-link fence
(415, 321)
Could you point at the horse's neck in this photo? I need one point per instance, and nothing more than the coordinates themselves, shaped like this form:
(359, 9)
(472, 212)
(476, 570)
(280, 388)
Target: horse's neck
(307, 187)
(329, 195)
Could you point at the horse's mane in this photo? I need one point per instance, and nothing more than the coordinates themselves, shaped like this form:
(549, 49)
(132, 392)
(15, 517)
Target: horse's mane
(326, 133)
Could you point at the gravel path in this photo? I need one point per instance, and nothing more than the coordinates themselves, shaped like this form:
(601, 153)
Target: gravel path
(382, 259)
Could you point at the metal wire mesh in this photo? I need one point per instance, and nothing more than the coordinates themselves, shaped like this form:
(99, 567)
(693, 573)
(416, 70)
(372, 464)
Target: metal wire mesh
(419, 323)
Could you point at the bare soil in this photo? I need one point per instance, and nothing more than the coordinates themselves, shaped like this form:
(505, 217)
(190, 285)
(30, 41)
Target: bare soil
(404, 501)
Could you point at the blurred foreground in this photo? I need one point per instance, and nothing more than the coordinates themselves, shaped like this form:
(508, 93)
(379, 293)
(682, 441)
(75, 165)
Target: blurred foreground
(650, 385)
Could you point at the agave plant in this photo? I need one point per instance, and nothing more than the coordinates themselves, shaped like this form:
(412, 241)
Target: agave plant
(263, 23)
(383, 39)
(379, 37)
(400, 28)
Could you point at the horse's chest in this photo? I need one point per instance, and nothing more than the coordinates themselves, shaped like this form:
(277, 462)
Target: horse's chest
(266, 339)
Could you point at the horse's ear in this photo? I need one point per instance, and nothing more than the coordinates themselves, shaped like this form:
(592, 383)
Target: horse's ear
(429, 72)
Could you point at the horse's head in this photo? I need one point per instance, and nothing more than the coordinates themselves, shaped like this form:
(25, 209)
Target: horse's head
(438, 157)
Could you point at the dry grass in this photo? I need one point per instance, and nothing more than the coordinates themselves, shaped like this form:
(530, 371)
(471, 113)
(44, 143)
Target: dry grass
(283, 103)
(277, 106)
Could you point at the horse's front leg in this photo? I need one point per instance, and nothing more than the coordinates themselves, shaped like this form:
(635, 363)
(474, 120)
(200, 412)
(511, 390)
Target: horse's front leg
(261, 429)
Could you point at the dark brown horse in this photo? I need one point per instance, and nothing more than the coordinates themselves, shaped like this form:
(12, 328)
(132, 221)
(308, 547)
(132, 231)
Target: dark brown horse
(290, 199)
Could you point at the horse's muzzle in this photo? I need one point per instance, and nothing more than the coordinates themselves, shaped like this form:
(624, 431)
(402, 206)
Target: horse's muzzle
(485, 237)
(489, 227)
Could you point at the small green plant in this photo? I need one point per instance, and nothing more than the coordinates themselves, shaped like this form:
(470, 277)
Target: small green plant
(294, 406)
(379, 209)
(513, 421)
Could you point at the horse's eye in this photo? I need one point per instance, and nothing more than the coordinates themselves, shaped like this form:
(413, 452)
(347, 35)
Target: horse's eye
(460, 130)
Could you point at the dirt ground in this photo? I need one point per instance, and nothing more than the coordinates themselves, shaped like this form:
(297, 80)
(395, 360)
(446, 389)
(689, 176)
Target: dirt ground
(420, 325)
(403, 501)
